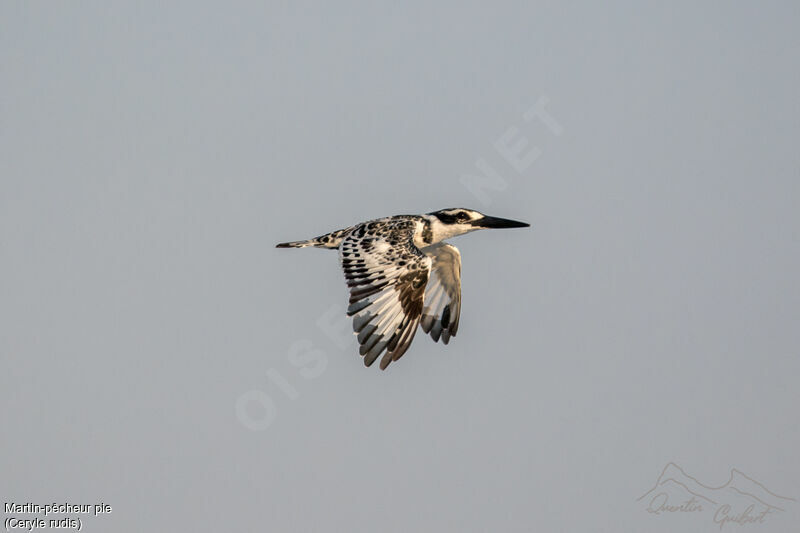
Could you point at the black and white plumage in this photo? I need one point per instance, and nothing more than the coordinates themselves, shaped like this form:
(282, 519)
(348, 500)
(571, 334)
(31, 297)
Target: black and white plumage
(402, 275)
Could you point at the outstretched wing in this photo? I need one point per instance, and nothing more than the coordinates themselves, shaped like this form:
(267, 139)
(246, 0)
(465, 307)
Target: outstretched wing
(386, 274)
(443, 293)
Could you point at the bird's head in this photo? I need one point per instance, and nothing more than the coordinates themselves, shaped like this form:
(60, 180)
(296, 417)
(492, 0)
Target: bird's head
(448, 223)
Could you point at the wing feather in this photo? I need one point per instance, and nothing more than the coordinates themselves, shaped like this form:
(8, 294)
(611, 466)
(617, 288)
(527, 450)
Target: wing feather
(387, 275)
(442, 310)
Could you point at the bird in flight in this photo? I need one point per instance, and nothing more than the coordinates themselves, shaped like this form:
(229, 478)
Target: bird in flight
(401, 274)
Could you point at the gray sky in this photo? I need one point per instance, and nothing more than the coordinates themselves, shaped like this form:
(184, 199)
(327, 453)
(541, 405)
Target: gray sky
(151, 156)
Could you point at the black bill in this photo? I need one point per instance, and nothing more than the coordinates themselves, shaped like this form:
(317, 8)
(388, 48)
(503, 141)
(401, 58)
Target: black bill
(494, 222)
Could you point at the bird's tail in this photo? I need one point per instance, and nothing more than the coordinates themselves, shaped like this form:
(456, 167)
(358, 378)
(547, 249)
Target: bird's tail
(298, 244)
(329, 240)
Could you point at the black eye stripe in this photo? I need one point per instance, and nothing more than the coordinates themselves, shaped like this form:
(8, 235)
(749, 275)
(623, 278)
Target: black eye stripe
(452, 216)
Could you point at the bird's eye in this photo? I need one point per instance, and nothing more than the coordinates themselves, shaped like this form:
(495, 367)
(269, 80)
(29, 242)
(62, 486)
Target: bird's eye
(462, 216)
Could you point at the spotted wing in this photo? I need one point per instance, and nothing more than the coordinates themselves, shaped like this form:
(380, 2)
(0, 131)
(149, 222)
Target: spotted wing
(386, 274)
(443, 294)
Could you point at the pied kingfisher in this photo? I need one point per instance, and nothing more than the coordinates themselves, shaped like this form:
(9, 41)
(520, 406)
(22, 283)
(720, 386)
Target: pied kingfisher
(401, 274)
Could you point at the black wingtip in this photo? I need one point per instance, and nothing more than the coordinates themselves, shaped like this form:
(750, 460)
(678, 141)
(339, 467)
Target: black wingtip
(283, 245)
